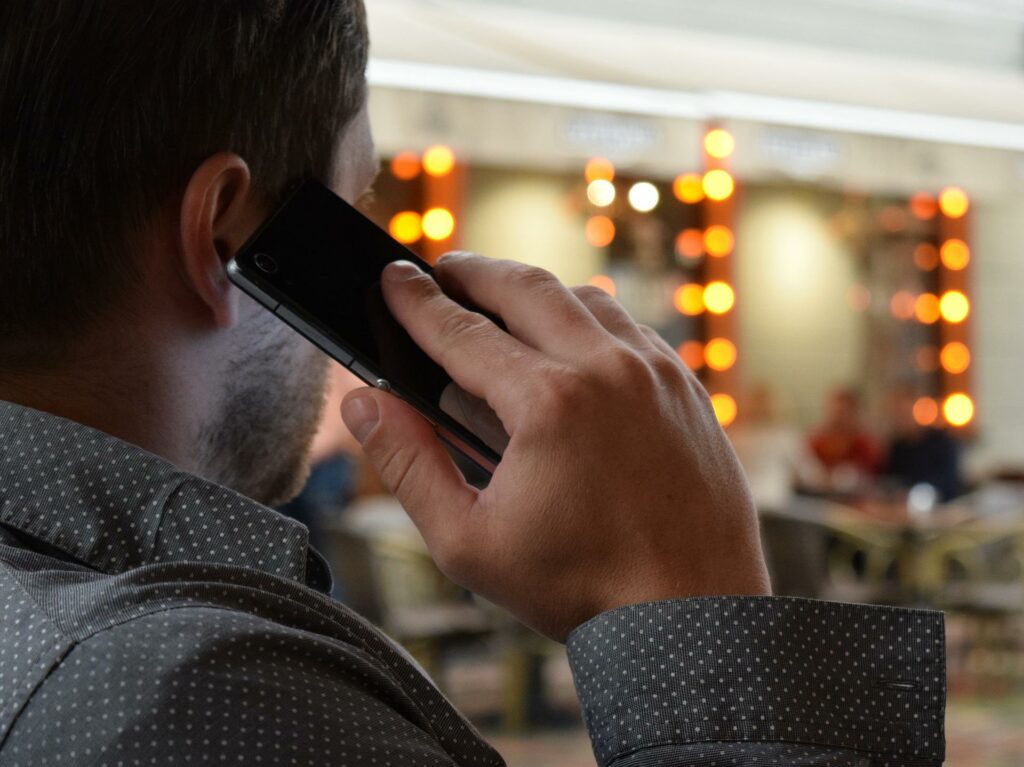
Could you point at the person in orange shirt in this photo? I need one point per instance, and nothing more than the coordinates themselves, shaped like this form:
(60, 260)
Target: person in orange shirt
(846, 448)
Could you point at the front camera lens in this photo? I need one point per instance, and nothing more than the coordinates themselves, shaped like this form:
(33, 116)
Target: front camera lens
(265, 263)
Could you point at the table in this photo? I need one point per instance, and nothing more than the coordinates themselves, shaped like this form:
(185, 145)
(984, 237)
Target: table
(911, 552)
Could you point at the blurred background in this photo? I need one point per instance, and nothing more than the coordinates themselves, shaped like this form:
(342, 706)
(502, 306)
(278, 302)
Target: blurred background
(820, 204)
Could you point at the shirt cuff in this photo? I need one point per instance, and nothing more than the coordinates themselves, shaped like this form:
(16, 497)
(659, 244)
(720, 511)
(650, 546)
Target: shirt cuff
(763, 669)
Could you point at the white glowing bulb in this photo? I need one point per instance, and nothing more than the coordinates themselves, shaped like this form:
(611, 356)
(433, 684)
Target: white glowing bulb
(601, 193)
(644, 197)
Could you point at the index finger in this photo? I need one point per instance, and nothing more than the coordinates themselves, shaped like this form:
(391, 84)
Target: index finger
(478, 355)
(535, 307)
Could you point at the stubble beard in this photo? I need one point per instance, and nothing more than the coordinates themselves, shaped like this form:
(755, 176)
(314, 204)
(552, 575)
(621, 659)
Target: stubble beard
(259, 443)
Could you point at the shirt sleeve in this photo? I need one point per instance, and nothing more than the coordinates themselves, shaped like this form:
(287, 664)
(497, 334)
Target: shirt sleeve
(762, 681)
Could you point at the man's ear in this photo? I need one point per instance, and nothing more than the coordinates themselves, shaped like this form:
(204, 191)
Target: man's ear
(218, 214)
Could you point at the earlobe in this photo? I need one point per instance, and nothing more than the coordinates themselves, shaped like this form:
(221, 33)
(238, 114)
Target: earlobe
(217, 215)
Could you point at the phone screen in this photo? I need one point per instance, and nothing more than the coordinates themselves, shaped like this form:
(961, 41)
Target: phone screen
(317, 264)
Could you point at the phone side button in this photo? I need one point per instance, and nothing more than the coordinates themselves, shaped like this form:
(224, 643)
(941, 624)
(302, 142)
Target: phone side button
(314, 335)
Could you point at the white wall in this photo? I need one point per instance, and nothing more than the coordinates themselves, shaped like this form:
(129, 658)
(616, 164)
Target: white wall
(797, 332)
(999, 333)
(529, 217)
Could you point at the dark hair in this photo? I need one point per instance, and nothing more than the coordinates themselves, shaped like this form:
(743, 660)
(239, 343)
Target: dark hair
(108, 106)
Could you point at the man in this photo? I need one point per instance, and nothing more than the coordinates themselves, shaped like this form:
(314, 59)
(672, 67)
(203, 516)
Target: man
(152, 615)
(845, 447)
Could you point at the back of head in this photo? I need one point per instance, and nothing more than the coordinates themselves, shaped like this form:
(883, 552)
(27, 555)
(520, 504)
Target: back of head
(107, 107)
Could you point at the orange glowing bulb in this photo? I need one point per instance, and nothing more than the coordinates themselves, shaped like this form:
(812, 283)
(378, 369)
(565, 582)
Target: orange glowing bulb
(438, 224)
(692, 354)
(926, 308)
(690, 244)
(902, 305)
(958, 409)
(725, 408)
(605, 283)
(406, 227)
(926, 257)
(438, 160)
(599, 169)
(923, 206)
(719, 241)
(955, 357)
(720, 354)
(719, 143)
(688, 188)
(926, 411)
(953, 202)
(718, 184)
(600, 231)
(955, 255)
(954, 306)
(719, 297)
(689, 299)
(405, 166)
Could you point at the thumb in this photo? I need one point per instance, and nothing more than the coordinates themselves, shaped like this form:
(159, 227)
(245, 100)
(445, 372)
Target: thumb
(412, 464)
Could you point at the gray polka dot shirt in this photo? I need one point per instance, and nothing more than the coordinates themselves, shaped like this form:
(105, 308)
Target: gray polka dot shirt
(152, 618)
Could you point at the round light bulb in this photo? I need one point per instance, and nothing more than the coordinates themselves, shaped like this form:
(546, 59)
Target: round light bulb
(438, 160)
(719, 143)
(438, 224)
(644, 196)
(601, 193)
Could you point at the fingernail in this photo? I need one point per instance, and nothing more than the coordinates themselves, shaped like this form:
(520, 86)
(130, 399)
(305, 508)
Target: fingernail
(360, 415)
(397, 271)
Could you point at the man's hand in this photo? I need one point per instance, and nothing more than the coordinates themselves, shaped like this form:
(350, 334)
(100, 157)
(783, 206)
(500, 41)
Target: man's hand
(617, 486)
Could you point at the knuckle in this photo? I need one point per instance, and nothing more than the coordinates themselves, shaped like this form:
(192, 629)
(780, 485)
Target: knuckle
(591, 295)
(394, 464)
(534, 278)
(626, 365)
(459, 325)
(666, 368)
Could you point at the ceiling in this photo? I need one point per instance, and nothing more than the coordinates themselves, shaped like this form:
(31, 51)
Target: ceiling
(905, 59)
(987, 33)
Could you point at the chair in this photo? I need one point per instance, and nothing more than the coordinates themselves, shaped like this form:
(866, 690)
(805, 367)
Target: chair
(389, 578)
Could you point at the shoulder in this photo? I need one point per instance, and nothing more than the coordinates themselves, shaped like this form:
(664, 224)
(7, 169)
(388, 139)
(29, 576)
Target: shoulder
(215, 683)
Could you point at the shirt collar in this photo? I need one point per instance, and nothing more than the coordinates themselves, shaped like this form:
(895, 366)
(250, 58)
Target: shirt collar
(115, 507)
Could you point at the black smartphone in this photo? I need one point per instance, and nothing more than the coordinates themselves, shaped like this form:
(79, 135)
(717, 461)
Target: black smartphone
(316, 263)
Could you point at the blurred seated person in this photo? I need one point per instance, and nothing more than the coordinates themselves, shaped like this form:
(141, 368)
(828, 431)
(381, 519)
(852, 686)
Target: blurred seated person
(850, 453)
(773, 453)
(777, 463)
(921, 454)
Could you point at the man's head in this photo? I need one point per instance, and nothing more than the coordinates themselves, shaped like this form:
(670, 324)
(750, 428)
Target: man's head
(843, 410)
(140, 144)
